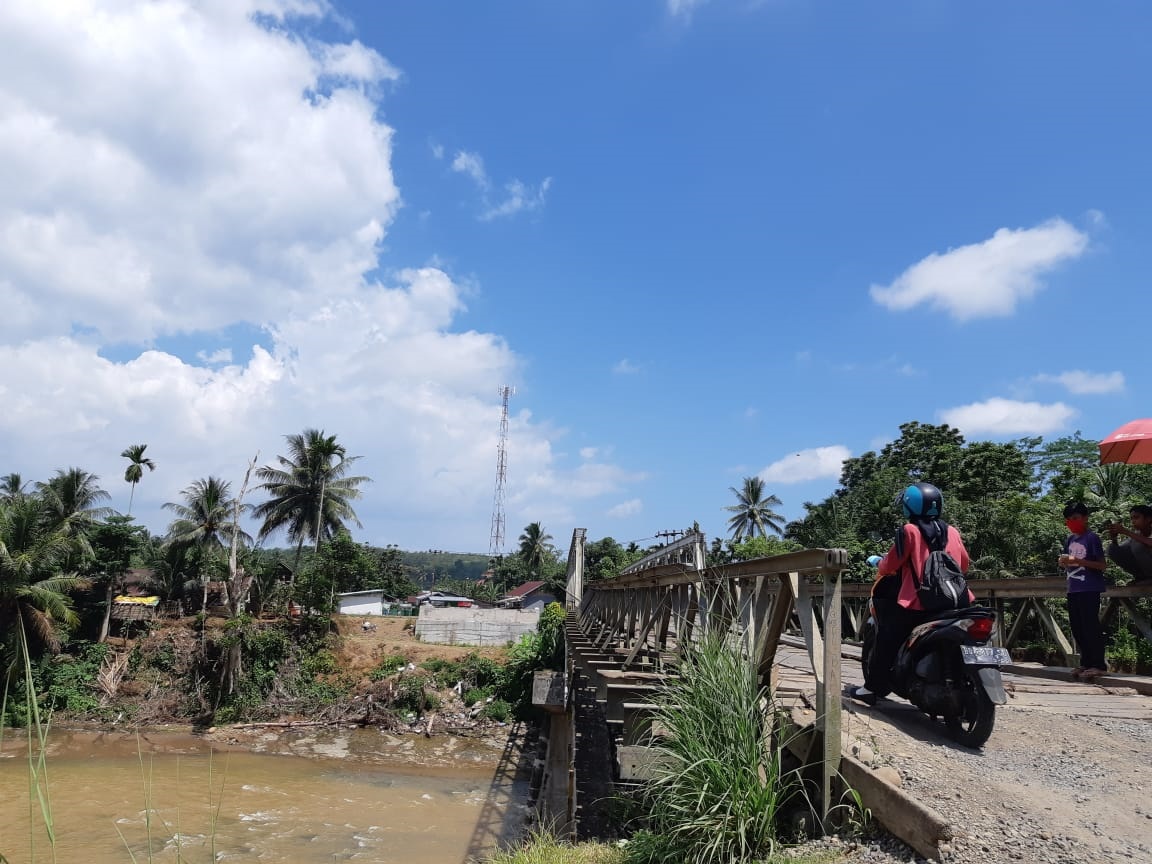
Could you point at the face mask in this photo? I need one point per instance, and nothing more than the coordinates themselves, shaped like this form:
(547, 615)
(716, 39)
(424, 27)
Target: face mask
(1077, 525)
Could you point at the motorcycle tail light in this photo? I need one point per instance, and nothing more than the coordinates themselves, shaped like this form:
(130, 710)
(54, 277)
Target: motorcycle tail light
(981, 628)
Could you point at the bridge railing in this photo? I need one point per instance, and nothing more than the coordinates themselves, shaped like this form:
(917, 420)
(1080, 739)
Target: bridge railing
(643, 620)
(1022, 599)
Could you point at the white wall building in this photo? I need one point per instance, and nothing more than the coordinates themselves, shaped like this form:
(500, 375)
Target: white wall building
(362, 602)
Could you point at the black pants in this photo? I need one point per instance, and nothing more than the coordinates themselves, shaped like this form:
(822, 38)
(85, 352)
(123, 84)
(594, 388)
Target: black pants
(1084, 616)
(894, 624)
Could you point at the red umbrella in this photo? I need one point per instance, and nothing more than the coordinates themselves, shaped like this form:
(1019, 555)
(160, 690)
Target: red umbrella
(1131, 443)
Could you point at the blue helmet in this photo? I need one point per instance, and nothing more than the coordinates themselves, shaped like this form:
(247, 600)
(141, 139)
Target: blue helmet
(922, 501)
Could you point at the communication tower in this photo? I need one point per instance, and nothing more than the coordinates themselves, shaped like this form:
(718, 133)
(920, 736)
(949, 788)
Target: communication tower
(496, 544)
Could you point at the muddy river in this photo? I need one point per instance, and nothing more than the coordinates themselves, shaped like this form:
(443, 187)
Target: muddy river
(263, 796)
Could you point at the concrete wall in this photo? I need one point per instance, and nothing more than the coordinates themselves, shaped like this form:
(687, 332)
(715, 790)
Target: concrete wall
(474, 626)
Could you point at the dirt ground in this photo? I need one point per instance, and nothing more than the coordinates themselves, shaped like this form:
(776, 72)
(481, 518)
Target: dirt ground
(360, 651)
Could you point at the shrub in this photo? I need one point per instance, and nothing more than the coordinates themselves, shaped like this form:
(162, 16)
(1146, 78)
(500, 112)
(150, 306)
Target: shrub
(412, 694)
(498, 710)
(445, 673)
(390, 665)
(476, 694)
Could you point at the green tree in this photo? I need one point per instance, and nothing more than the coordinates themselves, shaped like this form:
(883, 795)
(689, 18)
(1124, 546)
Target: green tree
(12, 486)
(536, 549)
(114, 543)
(203, 526)
(73, 503)
(753, 515)
(204, 518)
(605, 558)
(34, 582)
(310, 492)
(137, 462)
(389, 574)
(762, 547)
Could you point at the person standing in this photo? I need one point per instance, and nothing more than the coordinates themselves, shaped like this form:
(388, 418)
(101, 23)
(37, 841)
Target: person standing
(1083, 561)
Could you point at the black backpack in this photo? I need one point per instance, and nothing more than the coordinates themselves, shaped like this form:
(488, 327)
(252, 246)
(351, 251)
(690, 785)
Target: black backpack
(942, 584)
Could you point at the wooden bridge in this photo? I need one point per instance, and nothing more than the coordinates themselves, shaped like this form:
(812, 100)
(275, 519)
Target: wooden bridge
(788, 613)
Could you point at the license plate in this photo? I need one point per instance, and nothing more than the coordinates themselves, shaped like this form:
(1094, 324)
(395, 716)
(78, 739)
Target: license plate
(985, 655)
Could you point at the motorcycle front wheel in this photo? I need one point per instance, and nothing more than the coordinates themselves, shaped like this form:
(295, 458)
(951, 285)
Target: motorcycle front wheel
(973, 726)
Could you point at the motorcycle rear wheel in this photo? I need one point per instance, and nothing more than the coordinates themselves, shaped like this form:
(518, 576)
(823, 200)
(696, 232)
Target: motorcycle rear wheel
(974, 727)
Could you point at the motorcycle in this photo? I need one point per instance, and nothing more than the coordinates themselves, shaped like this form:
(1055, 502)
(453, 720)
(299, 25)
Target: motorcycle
(947, 669)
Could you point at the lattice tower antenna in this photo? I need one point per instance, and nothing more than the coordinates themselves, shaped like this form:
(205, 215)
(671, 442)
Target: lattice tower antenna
(496, 544)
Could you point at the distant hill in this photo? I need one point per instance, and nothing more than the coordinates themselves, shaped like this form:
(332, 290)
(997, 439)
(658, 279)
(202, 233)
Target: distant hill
(429, 566)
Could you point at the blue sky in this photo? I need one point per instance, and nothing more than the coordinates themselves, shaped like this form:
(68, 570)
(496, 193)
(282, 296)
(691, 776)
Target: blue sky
(703, 240)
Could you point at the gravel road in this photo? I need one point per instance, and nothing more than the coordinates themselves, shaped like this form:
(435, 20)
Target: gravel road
(1047, 788)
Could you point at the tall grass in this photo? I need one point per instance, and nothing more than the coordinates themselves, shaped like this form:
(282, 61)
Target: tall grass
(719, 787)
(543, 848)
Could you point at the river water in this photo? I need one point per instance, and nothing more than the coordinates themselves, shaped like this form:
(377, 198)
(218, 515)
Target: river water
(273, 797)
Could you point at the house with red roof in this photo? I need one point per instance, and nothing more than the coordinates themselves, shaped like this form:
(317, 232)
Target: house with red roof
(530, 595)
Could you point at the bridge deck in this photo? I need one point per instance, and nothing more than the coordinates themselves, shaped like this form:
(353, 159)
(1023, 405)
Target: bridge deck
(1062, 778)
(1024, 691)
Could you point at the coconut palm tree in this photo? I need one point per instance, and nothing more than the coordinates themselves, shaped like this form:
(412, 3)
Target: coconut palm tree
(11, 487)
(137, 462)
(310, 493)
(753, 514)
(536, 547)
(204, 519)
(73, 504)
(34, 581)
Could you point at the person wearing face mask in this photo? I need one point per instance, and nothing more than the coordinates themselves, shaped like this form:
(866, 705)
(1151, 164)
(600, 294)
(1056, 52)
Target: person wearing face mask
(1083, 560)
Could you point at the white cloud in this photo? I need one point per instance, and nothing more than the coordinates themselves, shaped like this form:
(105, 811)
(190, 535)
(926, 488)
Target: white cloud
(1087, 383)
(814, 464)
(518, 197)
(177, 168)
(684, 8)
(437, 150)
(215, 358)
(472, 165)
(174, 166)
(1009, 417)
(625, 367)
(631, 507)
(985, 279)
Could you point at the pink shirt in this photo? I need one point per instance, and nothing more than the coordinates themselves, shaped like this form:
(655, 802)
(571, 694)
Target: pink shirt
(916, 553)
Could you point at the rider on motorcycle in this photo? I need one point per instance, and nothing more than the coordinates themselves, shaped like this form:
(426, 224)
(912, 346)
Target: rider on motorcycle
(894, 596)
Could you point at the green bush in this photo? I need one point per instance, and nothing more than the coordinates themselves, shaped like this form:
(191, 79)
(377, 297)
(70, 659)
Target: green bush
(390, 665)
(498, 710)
(67, 682)
(445, 673)
(476, 694)
(322, 662)
(413, 693)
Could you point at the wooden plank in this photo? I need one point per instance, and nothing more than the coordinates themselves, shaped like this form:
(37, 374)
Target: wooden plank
(642, 638)
(904, 816)
(828, 703)
(1070, 655)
